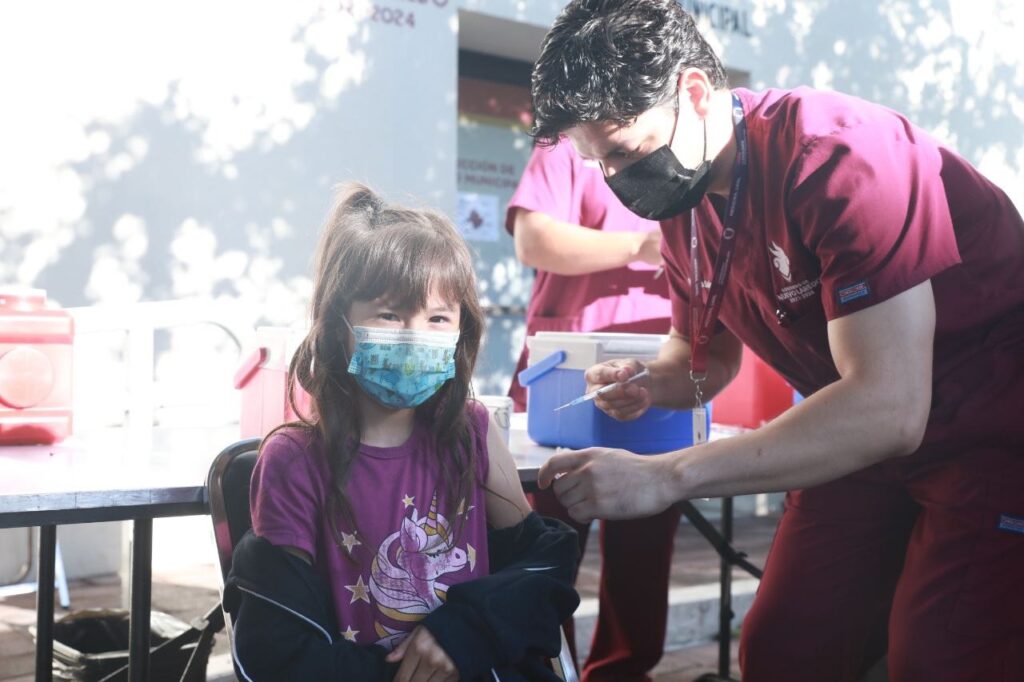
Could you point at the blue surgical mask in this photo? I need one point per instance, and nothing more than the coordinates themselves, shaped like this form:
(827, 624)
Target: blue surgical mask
(402, 368)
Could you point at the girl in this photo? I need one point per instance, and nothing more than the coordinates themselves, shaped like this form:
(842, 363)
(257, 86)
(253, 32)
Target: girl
(370, 556)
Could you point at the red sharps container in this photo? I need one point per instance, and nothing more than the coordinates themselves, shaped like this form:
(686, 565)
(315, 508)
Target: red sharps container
(756, 396)
(35, 368)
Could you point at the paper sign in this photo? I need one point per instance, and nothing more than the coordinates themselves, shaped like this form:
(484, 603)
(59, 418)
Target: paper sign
(477, 216)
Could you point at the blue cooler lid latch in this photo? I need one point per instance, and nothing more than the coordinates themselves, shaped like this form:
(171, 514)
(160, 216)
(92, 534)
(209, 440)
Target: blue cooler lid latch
(536, 371)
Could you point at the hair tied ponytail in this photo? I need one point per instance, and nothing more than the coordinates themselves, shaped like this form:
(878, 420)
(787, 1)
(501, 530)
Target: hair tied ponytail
(359, 197)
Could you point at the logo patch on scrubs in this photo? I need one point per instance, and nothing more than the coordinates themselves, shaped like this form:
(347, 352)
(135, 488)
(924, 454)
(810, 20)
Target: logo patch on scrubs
(853, 292)
(781, 261)
(1014, 524)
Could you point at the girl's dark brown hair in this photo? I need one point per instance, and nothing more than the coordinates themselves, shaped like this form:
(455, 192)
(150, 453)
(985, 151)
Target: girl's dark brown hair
(370, 250)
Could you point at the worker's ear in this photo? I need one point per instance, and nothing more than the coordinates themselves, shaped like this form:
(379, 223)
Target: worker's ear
(694, 92)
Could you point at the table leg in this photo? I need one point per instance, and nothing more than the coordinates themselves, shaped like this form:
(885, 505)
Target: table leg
(725, 596)
(138, 629)
(44, 603)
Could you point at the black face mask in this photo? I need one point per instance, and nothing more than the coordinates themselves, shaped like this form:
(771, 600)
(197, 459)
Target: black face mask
(658, 187)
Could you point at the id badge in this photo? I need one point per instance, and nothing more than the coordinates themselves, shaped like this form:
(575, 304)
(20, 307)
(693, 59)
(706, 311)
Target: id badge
(700, 425)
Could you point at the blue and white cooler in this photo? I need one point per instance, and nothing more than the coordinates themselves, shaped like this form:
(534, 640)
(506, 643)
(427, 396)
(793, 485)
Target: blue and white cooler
(555, 377)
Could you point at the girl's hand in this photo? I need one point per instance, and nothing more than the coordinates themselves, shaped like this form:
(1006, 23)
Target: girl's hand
(422, 659)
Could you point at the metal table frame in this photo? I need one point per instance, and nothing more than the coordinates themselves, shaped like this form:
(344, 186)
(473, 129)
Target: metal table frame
(139, 506)
(106, 475)
(721, 541)
(529, 457)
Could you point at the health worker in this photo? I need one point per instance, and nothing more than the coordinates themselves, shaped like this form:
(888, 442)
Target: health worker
(879, 273)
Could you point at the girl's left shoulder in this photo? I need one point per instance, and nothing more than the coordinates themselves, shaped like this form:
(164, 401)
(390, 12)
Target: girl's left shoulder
(477, 416)
(479, 419)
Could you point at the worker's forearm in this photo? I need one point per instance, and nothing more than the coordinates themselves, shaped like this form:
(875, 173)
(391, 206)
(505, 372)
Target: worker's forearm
(821, 439)
(671, 387)
(566, 249)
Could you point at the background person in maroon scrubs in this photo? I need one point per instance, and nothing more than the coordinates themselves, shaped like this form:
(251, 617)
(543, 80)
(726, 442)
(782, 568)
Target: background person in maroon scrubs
(879, 273)
(595, 271)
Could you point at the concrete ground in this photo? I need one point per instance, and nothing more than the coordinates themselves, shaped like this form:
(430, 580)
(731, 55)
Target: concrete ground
(188, 592)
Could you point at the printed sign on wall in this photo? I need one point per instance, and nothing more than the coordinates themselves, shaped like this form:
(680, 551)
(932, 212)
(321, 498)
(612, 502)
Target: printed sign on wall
(477, 216)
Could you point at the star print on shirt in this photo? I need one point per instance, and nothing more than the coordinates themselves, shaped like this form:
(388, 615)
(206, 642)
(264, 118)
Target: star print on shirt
(349, 541)
(408, 500)
(359, 591)
(471, 555)
(462, 508)
(350, 634)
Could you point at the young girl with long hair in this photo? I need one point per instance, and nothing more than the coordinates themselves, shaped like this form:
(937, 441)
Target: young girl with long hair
(391, 538)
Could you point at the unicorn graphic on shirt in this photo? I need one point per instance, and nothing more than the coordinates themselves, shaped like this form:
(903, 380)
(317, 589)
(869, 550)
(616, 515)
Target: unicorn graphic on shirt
(404, 574)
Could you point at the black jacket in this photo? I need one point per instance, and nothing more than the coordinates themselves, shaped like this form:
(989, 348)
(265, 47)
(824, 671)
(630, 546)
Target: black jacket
(507, 622)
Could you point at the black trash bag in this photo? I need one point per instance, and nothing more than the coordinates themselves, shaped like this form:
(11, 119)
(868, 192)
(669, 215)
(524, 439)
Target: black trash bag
(92, 645)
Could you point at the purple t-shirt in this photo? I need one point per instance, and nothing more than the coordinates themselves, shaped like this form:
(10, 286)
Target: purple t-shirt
(397, 564)
(558, 182)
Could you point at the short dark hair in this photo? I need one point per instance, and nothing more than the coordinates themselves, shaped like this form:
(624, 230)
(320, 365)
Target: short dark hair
(612, 60)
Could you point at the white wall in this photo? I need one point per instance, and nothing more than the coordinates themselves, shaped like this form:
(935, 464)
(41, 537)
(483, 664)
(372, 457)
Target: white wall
(188, 148)
(185, 148)
(954, 67)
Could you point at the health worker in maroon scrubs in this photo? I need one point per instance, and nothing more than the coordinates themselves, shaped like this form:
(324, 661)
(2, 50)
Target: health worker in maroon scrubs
(878, 272)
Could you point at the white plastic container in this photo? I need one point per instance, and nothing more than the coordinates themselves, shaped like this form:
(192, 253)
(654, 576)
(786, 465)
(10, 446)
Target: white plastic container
(500, 409)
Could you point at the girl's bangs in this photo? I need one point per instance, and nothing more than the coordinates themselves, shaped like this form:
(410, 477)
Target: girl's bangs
(403, 271)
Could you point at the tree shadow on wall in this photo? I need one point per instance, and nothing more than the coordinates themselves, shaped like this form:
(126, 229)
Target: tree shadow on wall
(245, 227)
(902, 54)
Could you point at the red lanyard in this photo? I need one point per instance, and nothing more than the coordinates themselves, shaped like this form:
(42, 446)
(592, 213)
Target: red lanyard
(703, 316)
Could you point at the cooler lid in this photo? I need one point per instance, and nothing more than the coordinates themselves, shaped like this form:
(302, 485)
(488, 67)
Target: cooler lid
(584, 349)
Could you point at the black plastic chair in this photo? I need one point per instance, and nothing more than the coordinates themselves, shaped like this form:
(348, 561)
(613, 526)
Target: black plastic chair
(227, 489)
(227, 486)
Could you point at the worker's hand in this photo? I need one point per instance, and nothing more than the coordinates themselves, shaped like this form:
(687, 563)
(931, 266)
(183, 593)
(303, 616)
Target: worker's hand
(648, 247)
(422, 659)
(602, 483)
(625, 402)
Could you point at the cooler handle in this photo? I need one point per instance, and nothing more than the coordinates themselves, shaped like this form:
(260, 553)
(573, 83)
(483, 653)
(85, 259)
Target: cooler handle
(249, 366)
(534, 372)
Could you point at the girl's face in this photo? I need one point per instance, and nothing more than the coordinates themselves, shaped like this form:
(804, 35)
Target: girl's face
(438, 315)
